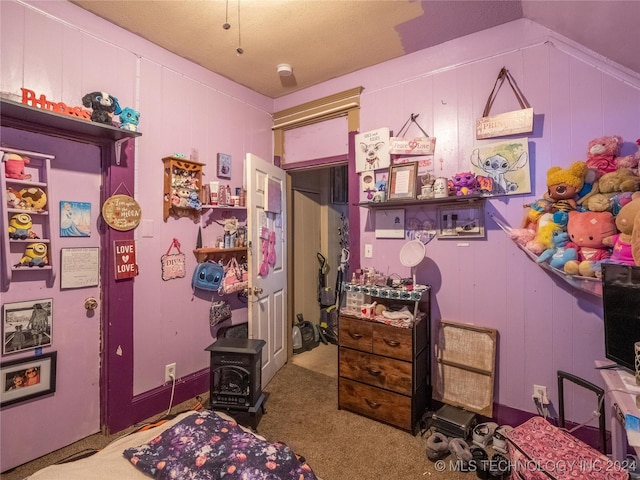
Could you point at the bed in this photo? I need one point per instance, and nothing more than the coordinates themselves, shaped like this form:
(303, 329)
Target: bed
(202, 445)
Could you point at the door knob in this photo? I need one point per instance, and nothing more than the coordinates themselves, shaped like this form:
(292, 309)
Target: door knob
(257, 290)
(91, 303)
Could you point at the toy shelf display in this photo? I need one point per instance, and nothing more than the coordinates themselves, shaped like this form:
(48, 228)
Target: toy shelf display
(182, 188)
(25, 220)
(590, 285)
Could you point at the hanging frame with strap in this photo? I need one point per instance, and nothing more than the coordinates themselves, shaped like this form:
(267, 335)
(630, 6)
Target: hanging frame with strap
(173, 264)
(509, 123)
(403, 145)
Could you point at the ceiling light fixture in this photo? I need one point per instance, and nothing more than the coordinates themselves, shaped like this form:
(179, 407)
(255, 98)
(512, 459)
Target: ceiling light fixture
(284, 70)
(226, 24)
(239, 50)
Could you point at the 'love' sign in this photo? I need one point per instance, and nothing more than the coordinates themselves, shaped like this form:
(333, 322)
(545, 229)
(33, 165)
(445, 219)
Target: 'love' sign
(125, 257)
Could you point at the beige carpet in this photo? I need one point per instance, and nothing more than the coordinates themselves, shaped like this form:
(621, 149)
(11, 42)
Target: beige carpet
(322, 359)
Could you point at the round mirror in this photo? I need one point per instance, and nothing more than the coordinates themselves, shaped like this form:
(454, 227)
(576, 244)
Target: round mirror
(411, 254)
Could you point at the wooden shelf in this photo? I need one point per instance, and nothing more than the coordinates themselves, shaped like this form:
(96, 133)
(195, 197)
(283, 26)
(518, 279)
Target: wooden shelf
(19, 115)
(203, 254)
(423, 202)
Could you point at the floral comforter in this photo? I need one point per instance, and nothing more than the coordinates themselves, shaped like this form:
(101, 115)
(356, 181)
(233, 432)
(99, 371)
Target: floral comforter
(205, 446)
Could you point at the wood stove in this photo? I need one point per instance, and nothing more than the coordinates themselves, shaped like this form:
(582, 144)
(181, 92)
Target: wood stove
(236, 377)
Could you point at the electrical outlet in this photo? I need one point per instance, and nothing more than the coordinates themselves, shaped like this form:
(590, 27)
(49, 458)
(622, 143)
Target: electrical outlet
(169, 372)
(368, 251)
(540, 393)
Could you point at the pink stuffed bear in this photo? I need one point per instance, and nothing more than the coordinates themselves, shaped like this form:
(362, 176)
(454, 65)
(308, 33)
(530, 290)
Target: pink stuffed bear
(587, 231)
(603, 155)
(14, 166)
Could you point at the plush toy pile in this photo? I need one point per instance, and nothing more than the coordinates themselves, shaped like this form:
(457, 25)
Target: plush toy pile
(590, 213)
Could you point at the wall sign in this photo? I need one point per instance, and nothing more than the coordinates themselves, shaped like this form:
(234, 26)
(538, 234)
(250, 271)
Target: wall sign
(79, 267)
(173, 264)
(121, 212)
(125, 258)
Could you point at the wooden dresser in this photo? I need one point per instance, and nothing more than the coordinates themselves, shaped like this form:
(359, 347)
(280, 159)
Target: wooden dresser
(384, 370)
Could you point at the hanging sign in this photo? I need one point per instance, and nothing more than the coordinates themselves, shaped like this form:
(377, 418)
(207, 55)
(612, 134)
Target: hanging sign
(405, 145)
(121, 212)
(413, 146)
(173, 264)
(125, 258)
(509, 123)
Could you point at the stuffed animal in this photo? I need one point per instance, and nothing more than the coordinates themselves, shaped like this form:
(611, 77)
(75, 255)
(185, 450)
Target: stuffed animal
(464, 183)
(194, 201)
(586, 233)
(129, 119)
(35, 255)
(20, 226)
(103, 106)
(622, 242)
(635, 240)
(608, 186)
(14, 199)
(548, 224)
(14, 166)
(602, 152)
(34, 198)
(563, 185)
(558, 254)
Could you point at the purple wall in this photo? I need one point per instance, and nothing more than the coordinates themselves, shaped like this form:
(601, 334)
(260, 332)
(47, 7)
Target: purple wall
(544, 325)
(185, 108)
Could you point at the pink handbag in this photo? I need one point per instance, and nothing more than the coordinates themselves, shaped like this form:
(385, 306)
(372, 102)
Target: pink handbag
(236, 278)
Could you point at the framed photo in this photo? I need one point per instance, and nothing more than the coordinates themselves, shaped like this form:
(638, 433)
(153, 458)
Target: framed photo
(402, 181)
(389, 223)
(461, 221)
(27, 325)
(75, 219)
(79, 267)
(27, 378)
(224, 165)
(339, 184)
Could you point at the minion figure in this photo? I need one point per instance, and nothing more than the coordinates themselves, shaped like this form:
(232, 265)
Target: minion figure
(35, 255)
(20, 226)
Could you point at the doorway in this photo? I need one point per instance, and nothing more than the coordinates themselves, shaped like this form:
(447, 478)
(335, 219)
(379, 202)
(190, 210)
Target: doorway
(318, 227)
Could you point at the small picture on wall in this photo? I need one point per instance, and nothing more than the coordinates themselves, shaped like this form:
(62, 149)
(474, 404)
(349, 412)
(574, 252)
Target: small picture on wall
(224, 165)
(27, 378)
(75, 219)
(502, 168)
(372, 150)
(27, 325)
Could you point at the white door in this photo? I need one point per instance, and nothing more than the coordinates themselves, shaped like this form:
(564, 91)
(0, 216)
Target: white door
(267, 221)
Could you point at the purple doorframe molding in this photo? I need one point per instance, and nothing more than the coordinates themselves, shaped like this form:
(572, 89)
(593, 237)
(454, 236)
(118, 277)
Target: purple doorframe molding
(119, 407)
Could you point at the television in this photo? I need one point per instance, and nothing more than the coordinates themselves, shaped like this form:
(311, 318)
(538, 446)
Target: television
(621, 303)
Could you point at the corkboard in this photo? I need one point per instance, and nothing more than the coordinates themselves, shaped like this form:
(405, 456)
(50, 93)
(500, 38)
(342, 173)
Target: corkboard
(465, 366)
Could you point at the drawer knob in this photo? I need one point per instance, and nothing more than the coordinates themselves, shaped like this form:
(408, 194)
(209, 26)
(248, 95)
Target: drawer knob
(391, 343)
(372, 404)
(373, 371)
(355, 336)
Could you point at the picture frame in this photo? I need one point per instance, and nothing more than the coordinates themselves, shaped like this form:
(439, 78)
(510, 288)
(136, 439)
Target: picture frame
(79, 267)
(35, 375)
(224, 166)
(460, 221)
(390, 223)
(75, 219)
(402, 181)
(27, 325)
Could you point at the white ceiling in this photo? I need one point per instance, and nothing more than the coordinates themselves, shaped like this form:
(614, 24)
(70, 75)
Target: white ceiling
(324, 39)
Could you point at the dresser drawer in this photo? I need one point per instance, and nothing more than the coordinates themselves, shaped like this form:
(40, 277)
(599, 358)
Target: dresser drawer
(387, 373)
(354, 333)
(393, 341)
(375, 403)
